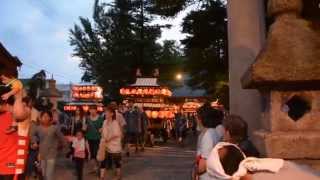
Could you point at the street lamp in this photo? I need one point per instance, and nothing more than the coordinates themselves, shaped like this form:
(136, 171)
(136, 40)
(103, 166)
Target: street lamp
(179, 76)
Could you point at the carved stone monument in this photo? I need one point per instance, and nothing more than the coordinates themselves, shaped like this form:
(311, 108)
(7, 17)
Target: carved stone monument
(287, 73)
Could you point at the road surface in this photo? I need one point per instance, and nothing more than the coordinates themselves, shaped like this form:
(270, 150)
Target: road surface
(162, 162)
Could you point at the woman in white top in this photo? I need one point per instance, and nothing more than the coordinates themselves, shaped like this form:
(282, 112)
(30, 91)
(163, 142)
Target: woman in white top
(111, 134)
(211, 133)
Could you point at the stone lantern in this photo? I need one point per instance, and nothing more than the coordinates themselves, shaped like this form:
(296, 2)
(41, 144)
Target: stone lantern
(52, 93)
(287, 73)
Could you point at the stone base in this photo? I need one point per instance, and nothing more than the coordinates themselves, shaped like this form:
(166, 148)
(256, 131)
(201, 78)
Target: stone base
(313, 164)
(292, 145)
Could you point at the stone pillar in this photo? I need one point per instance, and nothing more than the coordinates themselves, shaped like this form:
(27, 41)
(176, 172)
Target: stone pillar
(246, 33)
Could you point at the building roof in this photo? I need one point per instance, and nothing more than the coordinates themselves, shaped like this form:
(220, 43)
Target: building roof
(146, 82)
(7, 59)
(186, 91)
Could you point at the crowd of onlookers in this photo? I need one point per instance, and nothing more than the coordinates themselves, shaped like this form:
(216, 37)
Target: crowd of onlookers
(100, 138)
(223, 151)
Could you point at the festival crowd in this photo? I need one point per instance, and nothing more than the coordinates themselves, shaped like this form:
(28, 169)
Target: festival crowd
(224, 150)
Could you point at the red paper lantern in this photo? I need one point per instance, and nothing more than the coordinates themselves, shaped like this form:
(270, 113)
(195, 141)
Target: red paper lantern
(148, 113)
(74, 88)
(76, 95)
(122, 91)
(139, 91)
(85, 108)
(100, 109)
(164, 92)
(154, 114)
(157, 92)
(151, 91)
(133, 92)
(161, 114)
(145, 92)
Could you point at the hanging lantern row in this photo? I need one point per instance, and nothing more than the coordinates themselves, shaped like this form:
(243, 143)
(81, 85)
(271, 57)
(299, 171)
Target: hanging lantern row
(160, 114)
(91, 88)
(91, 95)
(85, 108)
(145, 91)
(191, 105)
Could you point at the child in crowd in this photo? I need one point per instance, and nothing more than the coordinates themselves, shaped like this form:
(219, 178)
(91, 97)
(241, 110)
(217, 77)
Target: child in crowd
(8, 77)
(81, 148)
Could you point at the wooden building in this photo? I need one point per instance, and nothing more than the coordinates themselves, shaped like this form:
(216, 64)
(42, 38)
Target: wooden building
(7, 60)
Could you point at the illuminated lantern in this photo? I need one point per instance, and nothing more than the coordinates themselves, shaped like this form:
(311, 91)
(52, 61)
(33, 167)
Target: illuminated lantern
(151, 92)
(139, 91)
(122, 91)
(160, 114)
(94, 88)
(154, 114)
(99, 108)
(98, 93)
(65, 108)
(133, 92)
(85, 108)
(164, 92)
(171, 115)
(145, 91)
(157, 92)
(76, 95)
(167, 92)
(74, 88)
(148, 113)
(127, 91)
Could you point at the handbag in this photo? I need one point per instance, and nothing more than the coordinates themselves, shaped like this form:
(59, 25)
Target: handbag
(101, 154)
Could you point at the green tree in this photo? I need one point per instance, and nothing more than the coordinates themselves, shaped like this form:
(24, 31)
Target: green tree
(118, 41)
(205, 46)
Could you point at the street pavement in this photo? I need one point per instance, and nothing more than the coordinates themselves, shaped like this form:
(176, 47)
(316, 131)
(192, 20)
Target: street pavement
(167, 161)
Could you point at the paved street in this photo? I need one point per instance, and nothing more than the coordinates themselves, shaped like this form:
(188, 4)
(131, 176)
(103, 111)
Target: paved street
(162, 162)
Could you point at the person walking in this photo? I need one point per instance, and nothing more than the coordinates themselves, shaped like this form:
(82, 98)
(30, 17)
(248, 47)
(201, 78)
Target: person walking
(111, 135)
(180, 126)
(93, 129)
(133, 119)
(77, 121)
(144, 123)
(48, 136)
(81, 148)
(211, 133)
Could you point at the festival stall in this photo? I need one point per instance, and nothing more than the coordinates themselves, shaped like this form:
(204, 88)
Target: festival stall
(84, 96)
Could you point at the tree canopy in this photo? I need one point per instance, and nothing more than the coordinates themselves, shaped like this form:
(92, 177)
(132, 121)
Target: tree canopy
(205, 46)
(120, 39)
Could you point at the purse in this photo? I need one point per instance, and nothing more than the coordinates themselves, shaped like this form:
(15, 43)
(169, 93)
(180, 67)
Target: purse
(101, 154)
